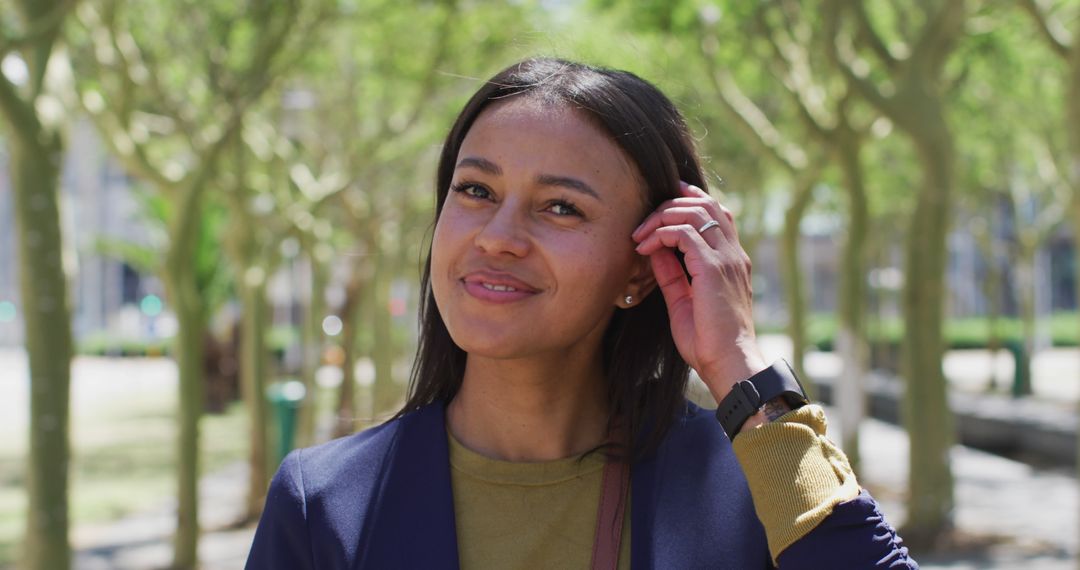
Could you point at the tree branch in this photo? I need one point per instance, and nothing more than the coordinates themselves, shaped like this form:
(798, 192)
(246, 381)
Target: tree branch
(753, 120)
(129, 152)
(259, 77)
(131, 56)
(18, 112)
(871, 38)
(843, 63)
(1052, 161)
(797, 76)
(439, 55)
(44, 19)
(1056, 36)
(937, 36)
(39, 27)
(115, 121)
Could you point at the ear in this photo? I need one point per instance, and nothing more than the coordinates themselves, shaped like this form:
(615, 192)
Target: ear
(639, 286)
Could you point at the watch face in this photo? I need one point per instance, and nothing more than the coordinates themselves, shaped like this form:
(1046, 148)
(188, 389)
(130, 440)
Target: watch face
(795, 377)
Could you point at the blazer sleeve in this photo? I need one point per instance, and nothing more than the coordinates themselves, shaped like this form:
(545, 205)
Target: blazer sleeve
(282, 540)
(854, 535)
(805, 494)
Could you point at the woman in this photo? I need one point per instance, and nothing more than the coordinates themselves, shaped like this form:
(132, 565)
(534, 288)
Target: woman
(577, 271)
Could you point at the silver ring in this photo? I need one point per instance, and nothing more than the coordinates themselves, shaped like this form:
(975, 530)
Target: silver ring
(707, 225)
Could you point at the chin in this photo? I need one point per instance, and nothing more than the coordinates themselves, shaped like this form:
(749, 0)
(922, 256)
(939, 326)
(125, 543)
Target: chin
(490, 346)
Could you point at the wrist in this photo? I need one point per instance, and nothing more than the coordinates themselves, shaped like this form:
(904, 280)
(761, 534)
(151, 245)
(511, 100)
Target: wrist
(770, 412)
(731, 370)
(761, 398)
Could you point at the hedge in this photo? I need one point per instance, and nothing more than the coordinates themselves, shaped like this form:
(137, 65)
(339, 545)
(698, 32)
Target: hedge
(959, 333)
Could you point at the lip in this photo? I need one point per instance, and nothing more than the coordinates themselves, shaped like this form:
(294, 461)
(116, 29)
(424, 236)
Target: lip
(497, 287)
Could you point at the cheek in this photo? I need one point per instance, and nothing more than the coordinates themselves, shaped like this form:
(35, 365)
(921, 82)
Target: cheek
(444, 242)
(596, 265)
(448, 233)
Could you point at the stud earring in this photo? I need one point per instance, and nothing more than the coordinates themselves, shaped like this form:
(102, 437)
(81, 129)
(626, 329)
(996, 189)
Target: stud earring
(629, 299)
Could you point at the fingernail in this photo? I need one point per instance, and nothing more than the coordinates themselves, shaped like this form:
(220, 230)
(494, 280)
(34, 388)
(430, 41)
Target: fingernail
(636, 230)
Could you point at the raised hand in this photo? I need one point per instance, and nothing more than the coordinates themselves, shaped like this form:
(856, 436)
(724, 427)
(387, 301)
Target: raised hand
(711, 309)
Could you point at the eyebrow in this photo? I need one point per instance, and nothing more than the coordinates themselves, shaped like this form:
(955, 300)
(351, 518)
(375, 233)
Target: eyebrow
(567, 182)
(481, 164)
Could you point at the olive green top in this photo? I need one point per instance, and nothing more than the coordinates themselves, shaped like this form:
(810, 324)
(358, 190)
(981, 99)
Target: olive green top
(527, 515)
(543, 515)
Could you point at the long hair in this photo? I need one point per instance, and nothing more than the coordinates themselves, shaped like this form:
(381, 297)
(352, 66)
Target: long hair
(645, 375)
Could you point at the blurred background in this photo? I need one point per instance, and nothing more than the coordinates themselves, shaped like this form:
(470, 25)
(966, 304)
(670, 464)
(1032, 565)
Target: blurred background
(213, 215)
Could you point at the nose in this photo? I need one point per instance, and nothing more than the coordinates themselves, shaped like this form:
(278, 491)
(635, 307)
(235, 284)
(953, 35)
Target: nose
(503, 233)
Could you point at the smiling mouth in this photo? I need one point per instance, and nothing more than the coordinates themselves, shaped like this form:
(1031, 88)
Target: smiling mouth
(491, 287)
(497, 287)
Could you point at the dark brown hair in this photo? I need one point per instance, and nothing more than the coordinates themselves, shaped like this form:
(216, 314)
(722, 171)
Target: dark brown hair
(645, 375)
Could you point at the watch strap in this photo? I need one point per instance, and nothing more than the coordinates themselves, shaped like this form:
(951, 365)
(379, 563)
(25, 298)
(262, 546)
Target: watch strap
(747, 397)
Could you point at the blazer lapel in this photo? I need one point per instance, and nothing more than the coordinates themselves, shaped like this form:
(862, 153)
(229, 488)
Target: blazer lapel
(412, 525)
(690, 506)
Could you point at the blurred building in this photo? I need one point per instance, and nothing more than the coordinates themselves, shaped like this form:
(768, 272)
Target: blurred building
(97, 202)
(968, 269)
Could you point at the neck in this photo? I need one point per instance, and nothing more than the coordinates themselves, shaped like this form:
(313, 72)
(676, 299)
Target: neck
(537, 409)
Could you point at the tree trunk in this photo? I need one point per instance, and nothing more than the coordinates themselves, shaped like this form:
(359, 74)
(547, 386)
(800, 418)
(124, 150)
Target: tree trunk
(851, 331)
(793, 276)
(991, 289)
(244, 245)
(350, 313)
(311, 339)
(253, 371)
(35, 168)
(189, 358)
(387, 392)
(183, 291)
(382, 346)
(926, 412)
(1025, 293)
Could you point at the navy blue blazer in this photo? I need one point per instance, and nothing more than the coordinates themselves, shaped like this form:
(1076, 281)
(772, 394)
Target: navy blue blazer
(382, 499)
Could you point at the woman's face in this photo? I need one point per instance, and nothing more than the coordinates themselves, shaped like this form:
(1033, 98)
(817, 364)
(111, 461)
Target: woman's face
(532, 251)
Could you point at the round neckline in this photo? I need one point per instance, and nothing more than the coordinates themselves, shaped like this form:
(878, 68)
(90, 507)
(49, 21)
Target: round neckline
(521, 473)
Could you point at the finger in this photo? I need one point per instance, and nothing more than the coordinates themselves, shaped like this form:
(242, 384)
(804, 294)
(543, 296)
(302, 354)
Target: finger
(709, 204)
(716, 210)
(670, 277)
(731, 232)
(683, 237)
(695, 216)
(691, 191)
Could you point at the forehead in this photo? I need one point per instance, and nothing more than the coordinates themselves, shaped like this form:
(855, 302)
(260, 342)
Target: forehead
(527, 135)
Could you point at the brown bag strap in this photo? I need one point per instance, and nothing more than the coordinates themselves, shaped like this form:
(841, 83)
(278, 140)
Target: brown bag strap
(609, 519)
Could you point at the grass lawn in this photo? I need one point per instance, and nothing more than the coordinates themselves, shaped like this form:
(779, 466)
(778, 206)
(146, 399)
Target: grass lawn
(123, 460)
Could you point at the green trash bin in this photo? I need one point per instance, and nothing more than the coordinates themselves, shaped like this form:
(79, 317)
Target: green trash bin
(285, 398)
(1021, 384)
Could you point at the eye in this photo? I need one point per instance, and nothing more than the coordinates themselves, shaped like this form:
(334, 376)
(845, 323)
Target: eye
(471, 190)
(563, 208)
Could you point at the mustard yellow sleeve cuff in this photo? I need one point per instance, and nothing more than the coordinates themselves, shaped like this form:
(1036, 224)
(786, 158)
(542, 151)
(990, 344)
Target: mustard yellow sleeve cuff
(796, 474)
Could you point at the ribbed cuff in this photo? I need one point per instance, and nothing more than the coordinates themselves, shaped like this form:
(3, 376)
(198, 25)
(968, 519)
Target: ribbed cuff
(796, 474)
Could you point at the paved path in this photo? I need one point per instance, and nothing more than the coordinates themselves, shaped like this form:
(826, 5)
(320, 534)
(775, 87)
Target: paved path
(143, 541)
(97, 383)
(1016, 516)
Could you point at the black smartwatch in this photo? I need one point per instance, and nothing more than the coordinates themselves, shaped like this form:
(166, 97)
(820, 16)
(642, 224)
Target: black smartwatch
(748, 396)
